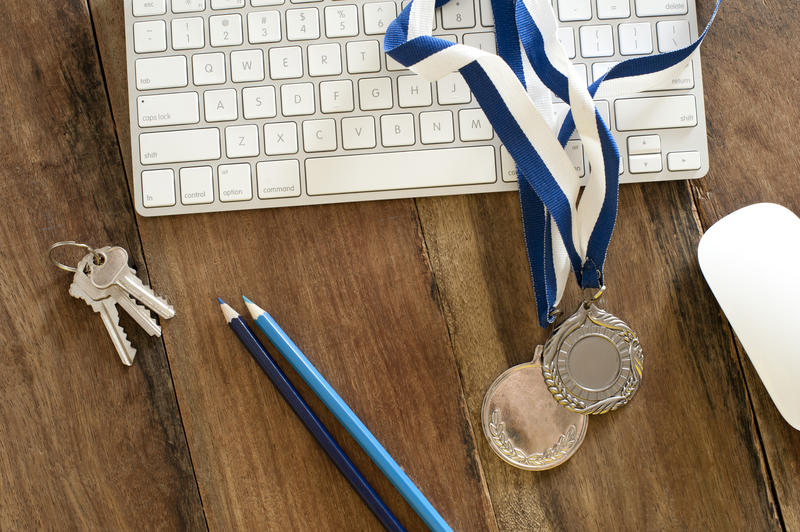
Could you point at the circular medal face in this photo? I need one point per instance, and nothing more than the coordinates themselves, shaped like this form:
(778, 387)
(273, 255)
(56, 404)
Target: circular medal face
(523, 424)
(593, 362)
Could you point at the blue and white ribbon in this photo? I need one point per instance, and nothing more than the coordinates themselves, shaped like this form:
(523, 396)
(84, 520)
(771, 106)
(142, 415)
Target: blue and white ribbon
(514, 89)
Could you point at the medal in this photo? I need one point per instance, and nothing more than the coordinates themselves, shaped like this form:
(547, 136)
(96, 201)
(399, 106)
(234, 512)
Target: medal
(534, 414)
(592, 364)
(523, 424)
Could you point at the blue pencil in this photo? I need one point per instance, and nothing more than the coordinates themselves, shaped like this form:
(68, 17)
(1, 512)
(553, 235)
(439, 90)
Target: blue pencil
(348, 418)
(309, 419)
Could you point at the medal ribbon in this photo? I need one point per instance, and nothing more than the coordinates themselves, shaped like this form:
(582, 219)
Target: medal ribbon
(514, 91)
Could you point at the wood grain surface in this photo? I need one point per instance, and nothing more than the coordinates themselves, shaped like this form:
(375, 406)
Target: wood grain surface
(410, 309)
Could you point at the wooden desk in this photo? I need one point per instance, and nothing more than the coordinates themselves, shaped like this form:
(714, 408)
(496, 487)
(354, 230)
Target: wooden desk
(411, 308)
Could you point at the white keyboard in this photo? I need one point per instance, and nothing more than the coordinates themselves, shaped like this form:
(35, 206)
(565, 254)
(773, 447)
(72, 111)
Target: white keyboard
(246, 104)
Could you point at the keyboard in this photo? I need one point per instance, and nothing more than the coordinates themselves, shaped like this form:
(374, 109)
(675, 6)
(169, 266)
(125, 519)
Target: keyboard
(247, 104)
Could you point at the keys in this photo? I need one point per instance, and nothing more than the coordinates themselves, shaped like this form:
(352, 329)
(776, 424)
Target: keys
(286, 63)
(179, 146)
(188, 6)
(187, 33)
(225, 30)
(378, 16)
(105, 285)
(158, 188)
(247, 65)
(597, 41)
(168, 109)
(336, 96)
(635, 39)
(656, 113)
(264, 26)
(363, 56)
(226, 4)
(161, 73)
(570, 10)
(209, 69)
(657, 8)
(458, 14)
(144, 8)
(324, 60)
(375, 93)
(673, 34)
(278, 179)
(149, 36)
(397, 130)
(613, 9)
(235, 183)
(400, 170)
(436, 127)
(341, 21)
(302, 24)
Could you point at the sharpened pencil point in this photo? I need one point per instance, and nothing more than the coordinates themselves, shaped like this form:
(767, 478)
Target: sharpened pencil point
(221, 302)
(255, 310)
(228, 311)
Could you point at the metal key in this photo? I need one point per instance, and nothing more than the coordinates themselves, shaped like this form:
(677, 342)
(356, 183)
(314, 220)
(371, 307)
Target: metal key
(115, 275)
(83, 288)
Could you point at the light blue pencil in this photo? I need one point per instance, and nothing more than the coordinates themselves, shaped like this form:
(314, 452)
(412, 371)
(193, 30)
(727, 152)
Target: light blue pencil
(347, 417)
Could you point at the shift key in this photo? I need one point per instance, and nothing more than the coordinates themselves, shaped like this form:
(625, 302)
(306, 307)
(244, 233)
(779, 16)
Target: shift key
(656, 113)
(179, 146)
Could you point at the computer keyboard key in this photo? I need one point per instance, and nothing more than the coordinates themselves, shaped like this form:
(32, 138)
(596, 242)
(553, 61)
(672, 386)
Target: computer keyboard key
(571, 10)
(150, 36)
(358, 133)
(227, 4)
(235, 182)
(188, 33)
(673, 34)
(259, 102)
(179, 146)
(683, 80)
(644, 144)
(247, 66)
(487, 15)
(168, 109)
(221, 105)
(413, 91)
(436, 127)
(225, 30)
(452, 89)
(657, 8)
(241, 141)
(566, 37)
(297, 99)
(682, 161)
(473, 125)
(644, 164)
(146, 8)
(319, 135)
(188, 6)
(400, 170)
(336, 96)
(158, 188)
(363, 57)
(597, 41)
(484, 40)
(261, 3)
(280, 138)
(660, 112)
(161, 73)
(574, 151)
(508, 168)
(264, 26)
(635, 39)
(397, 130)
(209, 69)
(341, 21)
(278, 179)
(600, 69)
(607, 9)
(378, 16)
(458, 14)
(197, 185)
(286, 63)
(302, 24)
(324, 59)
(375, 93)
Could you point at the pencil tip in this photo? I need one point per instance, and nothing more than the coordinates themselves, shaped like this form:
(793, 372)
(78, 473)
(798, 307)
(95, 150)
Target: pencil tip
(221, 302)
(228, 311)
(255, 310)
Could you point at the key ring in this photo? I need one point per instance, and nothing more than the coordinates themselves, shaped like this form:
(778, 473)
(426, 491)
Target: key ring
(98, 258)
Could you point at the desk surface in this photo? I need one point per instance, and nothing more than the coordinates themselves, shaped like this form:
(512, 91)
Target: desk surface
(411, 308)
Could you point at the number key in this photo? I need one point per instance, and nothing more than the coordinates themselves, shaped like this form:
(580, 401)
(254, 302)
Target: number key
(302, 24)
(264, 26)
(226, 30)
(341, 21)
(458, 14)
(378, 16)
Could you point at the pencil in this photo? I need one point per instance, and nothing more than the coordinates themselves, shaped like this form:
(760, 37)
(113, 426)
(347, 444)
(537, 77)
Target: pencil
(348, 418)
(309, 419)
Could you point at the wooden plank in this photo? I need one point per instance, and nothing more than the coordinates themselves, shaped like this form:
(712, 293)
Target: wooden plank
(351, 285)
(86, 443)
(752, 109)
(684, 454)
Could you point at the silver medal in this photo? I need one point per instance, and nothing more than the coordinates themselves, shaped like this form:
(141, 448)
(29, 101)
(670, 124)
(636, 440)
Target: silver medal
(592, 364)
(523, 424)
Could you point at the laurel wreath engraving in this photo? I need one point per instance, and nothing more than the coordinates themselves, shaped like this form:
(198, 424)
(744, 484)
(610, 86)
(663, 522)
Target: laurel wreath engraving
(552, 378)
(565, 443)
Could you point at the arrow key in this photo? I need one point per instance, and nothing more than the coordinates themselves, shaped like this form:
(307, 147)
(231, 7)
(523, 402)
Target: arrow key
(683, 160)
(645, 164)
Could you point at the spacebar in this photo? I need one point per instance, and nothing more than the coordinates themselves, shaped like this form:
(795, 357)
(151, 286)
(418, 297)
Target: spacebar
(400, 170)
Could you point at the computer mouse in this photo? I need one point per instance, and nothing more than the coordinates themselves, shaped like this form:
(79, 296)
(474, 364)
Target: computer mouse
(750, 259)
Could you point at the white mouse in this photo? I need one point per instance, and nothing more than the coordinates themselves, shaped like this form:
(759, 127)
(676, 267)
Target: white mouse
(750, 259)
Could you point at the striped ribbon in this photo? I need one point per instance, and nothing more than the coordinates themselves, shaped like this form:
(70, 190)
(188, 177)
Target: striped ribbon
(514, 89)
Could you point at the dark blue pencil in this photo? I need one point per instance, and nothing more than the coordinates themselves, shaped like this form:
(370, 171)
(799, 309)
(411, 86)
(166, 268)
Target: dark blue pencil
(309, 419)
